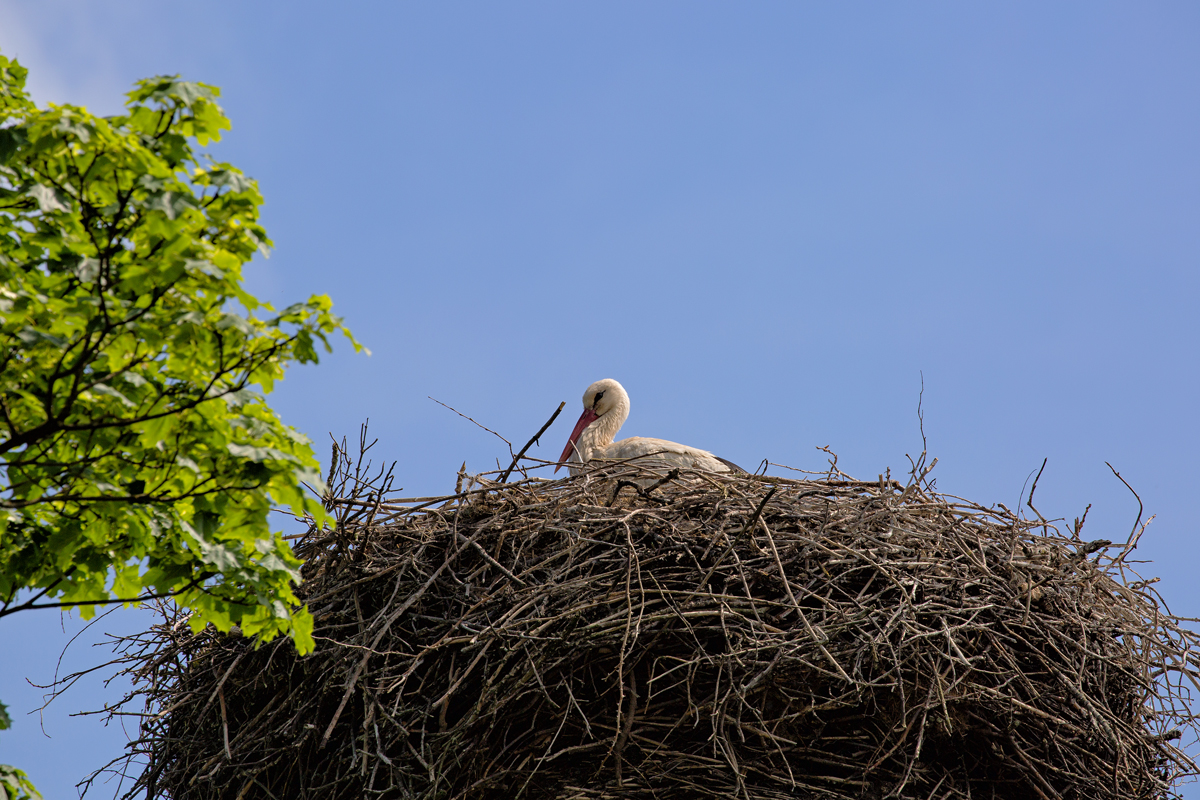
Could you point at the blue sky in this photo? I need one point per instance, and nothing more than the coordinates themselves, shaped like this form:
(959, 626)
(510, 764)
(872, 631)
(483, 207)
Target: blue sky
(767, 221)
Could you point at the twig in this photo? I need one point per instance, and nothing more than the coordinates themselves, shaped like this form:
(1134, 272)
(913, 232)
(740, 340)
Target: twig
(473, 422)
(749, 528)
(536, 436)
(1034, 489)
(1135, 534)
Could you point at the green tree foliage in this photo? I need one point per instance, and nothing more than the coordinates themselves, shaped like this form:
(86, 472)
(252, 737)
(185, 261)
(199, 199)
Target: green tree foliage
(138, 457)
(15, 785)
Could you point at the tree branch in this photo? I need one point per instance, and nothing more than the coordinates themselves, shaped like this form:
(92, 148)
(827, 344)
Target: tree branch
(536, 436)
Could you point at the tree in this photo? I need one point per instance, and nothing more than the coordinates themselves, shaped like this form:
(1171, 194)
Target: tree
(138, 457)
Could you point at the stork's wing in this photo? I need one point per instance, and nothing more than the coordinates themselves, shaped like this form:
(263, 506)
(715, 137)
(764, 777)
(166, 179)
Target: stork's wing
(732, 466)
(660, 452)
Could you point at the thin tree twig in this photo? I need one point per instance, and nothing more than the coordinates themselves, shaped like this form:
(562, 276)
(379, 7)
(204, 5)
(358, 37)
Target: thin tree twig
(1034, 489)
(536, 436)
(473, 422)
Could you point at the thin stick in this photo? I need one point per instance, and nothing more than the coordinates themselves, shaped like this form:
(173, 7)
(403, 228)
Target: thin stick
(1029, 502)
(536, 436)
(758, 511)
(473, 422)
(1131, 543)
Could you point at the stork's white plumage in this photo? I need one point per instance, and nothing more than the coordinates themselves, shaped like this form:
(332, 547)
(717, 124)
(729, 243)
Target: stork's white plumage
(605, 409)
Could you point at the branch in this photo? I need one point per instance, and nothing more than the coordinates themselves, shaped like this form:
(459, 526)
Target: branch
(468, 419)
(1029, 502)
(1135, 534)
(1141, 508)
(758, 511)
(29, 606)
(536, 436)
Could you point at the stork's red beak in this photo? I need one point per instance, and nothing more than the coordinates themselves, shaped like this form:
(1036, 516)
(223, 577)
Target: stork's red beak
(585, 419)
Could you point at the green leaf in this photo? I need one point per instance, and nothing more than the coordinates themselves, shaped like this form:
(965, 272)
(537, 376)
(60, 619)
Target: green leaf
(205, 523)
(87, 269)
(203, 266)
(5, 719)
(236, 322)
(11, 139)
(32, 337)
(100, 388)
(170, 203)
(259, 454)
(15, 785)
(138, 368)
(48, 199)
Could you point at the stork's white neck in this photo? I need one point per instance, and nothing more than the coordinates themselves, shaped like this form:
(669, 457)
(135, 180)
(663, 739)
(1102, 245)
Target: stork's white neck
(603, 430)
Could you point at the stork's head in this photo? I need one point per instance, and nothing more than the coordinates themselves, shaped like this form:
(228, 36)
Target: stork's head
(602, 397)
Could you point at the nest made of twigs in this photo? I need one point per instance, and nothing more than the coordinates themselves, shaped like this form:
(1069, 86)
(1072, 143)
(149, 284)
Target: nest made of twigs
(711, 636)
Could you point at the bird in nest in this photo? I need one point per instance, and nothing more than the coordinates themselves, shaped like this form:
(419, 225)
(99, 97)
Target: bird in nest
(605, 409)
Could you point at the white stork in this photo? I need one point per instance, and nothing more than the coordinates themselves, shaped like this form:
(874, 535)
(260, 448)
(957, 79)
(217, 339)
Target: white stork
(605, 409)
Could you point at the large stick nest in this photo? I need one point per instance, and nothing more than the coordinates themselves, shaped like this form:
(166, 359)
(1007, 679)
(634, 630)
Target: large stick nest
(710, 636)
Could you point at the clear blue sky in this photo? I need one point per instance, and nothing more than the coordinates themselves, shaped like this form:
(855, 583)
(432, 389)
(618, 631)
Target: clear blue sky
(766, 220)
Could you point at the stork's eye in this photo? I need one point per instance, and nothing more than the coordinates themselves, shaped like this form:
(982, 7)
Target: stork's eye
(597, 400)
